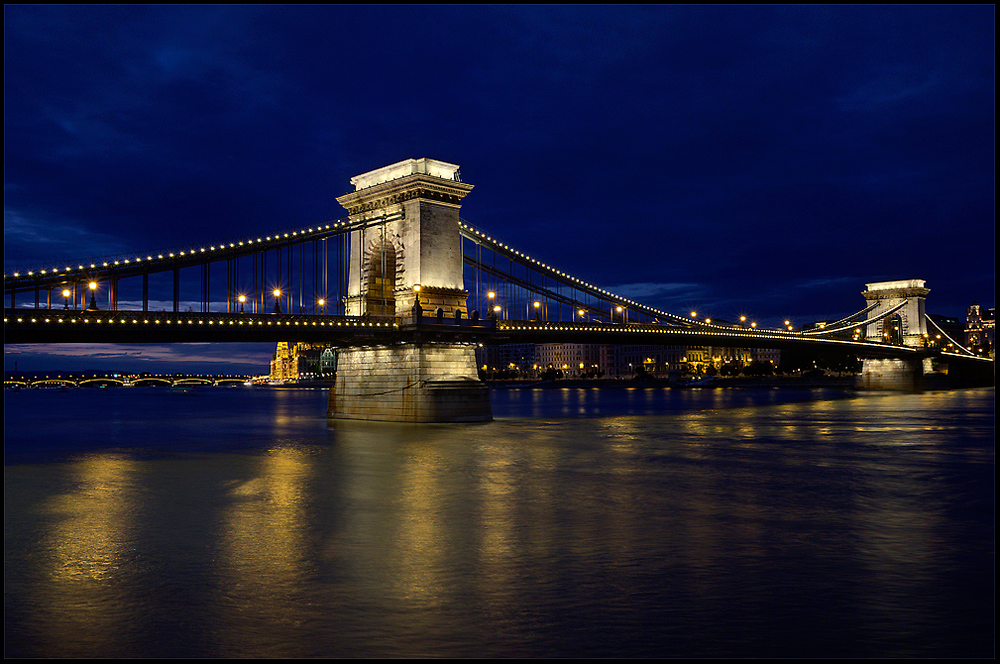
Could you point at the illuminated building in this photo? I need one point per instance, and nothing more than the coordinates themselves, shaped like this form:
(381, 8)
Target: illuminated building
(979, 329)
(617, 361)
(574, 360)
(303, 361)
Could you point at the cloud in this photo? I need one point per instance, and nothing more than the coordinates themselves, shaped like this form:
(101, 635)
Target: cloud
(252, 358)
(643, 291)
(36, 239)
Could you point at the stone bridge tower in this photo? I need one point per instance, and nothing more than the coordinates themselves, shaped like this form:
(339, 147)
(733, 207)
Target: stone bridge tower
(411, 239)
(906, 327)
(408, 249)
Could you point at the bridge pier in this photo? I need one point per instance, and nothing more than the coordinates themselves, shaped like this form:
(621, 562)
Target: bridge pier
(903, 375)
(431, 382)
(406, 257)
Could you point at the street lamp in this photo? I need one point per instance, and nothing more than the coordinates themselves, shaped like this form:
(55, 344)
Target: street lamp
(242, 299)
(277, 294)
(66, 295)
(417, 310)
(537, 306)
(321, 302)
(93, 301)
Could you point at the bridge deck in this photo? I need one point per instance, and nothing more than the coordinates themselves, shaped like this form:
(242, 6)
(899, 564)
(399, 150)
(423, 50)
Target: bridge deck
(68, 326)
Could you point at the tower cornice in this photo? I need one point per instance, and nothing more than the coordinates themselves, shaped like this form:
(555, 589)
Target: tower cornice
(410, 187)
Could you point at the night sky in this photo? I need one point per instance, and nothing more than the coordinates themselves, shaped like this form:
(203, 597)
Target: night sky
(766, 161)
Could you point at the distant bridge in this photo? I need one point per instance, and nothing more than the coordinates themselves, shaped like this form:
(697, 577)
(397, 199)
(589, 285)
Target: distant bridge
(144, 380)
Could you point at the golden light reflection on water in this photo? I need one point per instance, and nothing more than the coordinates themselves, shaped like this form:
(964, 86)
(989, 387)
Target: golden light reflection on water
(93, 523)
(263, 547)
(395, 540)
(86, 555)
(420, 535)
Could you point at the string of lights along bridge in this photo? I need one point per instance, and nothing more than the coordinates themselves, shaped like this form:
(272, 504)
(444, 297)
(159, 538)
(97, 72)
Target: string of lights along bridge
(403, 270)
(505, 283)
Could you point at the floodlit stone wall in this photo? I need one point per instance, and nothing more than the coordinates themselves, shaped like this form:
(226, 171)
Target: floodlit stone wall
(891, 374)
(410, 383)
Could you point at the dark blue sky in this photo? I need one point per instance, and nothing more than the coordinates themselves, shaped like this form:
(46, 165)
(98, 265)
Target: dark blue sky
(765, 160)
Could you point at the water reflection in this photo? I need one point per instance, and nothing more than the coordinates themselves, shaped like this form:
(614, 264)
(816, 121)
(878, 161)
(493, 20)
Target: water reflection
(722, 525)
(87, 555)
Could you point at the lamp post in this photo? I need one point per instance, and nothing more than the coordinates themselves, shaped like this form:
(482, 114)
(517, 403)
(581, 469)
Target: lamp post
(418, 311)
(321, 302)
(537, 312)
(277, 294)
(93, 301)
(66, 295)
(242, 299)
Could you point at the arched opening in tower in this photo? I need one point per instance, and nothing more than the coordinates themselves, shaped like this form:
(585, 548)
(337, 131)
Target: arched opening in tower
(380, 299)
(894, 330)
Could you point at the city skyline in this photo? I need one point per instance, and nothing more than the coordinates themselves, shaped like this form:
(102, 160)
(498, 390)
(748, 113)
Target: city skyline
(759, 160)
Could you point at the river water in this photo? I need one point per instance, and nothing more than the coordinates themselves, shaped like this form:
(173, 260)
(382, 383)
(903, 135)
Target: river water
(219, 522)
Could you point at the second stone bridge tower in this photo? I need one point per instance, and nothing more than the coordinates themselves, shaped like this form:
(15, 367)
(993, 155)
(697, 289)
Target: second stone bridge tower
(408, 250)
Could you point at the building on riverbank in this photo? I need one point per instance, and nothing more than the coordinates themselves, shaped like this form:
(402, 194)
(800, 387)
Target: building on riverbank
(616, 361)
(980, 326)
(302, 361)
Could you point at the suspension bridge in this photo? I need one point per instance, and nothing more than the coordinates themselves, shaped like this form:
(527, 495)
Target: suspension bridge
(407, 289)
